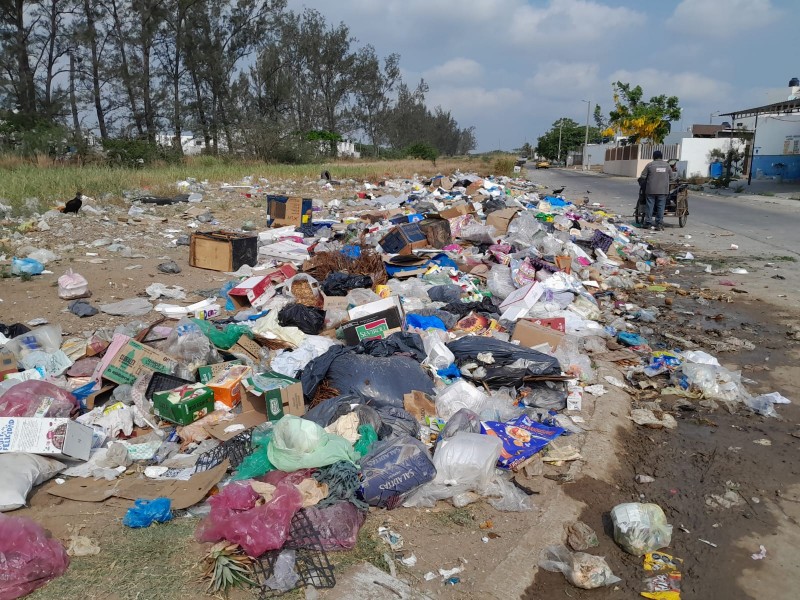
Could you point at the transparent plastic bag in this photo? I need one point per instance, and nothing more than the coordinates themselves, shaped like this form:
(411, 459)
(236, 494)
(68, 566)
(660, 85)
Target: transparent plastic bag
(316, 292)
(189, 345)
(640, 528)
(32, 557)
(500, 283)
(46, 339)
(464, 420)
(37, 399)
(438, 354)
(460, 394)
(582, 570)
(337, 525)
(300, 444)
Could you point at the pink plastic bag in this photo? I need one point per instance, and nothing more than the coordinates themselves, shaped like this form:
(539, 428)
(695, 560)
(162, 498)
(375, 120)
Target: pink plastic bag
(338, 525)
(37, 398)
(257, 529)
(30, 557)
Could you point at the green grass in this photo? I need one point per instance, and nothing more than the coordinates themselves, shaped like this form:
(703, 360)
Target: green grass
(457, 516)
(52, 184)
(369, 548)
(766, 194)
(153, 563)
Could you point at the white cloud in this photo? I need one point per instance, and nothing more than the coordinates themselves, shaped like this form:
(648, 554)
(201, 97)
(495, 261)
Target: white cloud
(471, 101)
(557, 79)
(722, 19)
(455, 70)
(571, 22)
(687, 86)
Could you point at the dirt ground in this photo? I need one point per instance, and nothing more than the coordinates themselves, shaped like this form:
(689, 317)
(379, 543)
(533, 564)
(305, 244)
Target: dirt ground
(710, 453)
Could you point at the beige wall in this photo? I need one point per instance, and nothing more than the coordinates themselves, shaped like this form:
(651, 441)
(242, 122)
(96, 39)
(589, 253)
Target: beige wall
(625, 168)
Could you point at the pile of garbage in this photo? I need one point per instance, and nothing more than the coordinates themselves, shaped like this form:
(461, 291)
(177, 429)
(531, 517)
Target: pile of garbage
(424, 341)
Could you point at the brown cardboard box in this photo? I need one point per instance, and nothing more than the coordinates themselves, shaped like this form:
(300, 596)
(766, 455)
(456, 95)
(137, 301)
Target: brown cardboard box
(132, 358)
(457, 210)
(531, 335)
(473, 188)
(437, 231)
(223, 250)
(288, 210)
(500, 219)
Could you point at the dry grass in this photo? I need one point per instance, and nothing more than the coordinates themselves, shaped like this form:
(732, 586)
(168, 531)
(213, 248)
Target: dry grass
(49, 183)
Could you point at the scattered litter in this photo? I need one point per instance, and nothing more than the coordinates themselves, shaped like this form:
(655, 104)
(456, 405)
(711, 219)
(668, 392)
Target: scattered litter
(760, 555)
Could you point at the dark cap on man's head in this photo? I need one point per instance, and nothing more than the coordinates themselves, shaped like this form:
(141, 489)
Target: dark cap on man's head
(658, 155)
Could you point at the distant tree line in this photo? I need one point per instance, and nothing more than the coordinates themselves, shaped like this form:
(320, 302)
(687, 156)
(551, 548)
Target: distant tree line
(244, 76)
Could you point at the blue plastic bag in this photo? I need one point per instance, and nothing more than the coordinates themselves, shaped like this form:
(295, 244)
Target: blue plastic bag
(631, 339)
(26, 266)
(229, 305)
(422, 322)
(146, 512)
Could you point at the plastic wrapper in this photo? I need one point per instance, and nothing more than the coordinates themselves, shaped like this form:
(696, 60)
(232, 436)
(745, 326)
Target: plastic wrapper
(337, 525)
(290, 362)
(368, 436)
(582, 570)
(361, 296)
(393, 469)
(338, 284)
(146, 512)
(521, 438)
(715, 382)
(31, 557)
(445, 293)
(21, 473)
(37, 398)
(581, 537)
(188, 344)
(307, 319)
(284, 574)
(464, 463)
(301, 444)
(640, 528)
(236, 517)
(225, 338)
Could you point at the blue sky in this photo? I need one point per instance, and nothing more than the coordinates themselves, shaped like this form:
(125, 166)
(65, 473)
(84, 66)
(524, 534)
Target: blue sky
(512, 67)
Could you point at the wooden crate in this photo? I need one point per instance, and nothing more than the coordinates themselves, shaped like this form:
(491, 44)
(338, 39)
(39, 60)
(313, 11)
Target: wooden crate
(223, 250)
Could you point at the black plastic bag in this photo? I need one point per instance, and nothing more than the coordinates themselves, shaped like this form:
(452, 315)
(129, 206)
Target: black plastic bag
(307, 319)
(402, 342)
(384, 379)
(338, 284)
(462, 309)
(445, 293)
(550, 395)
(500, 373)
(316, 370)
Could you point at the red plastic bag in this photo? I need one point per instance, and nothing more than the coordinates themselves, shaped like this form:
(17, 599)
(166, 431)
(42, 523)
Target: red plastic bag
(338, 525)
(256, 528)
(37, 398)
(30, 557)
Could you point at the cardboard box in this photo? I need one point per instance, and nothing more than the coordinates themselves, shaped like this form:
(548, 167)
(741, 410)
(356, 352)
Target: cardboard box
(222, 250)
(43, 435)
(284, 397)
(288, 210)
(557, 323)
(403, 239)
(334, 302)
(244, 345)
(459, 210)
(500, 219)
(208, 372)
(530, 334)
(8, 363)
(195, 402)
(370, 308)
(437, 231)
(377, 325)
(473, 187)
(526, 296)
(227, 385)
(133, 359)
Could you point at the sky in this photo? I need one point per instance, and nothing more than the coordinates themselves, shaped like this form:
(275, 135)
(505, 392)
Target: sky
(513, 67)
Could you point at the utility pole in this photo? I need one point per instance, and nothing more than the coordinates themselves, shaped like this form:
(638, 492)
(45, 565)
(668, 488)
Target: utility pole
(560, 127)
(586, 138)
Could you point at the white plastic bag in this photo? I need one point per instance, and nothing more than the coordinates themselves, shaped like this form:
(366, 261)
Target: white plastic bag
(439, 355)
(72, 285)
(464, 463)
(20, 472)
(461, 394)
(313, 283)
(581, 570)
(640, 528)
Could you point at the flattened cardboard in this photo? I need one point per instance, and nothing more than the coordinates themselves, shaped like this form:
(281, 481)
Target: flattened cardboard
(531, 335)
(500, 219)
(182, 493)
(248, 347)
(419, 404)
(248, 419)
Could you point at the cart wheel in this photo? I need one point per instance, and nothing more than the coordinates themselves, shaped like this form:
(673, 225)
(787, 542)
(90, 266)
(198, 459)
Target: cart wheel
(682, 218)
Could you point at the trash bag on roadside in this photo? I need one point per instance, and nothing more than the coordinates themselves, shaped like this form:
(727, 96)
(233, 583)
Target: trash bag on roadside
(393, 469)
(307, 319)
(29, 398)
(582, 570)
(400, 342)
(497, 363)
(301, 444)
(640, 528)
(146, 512)
(32, 557)
(338, 284)
(337, 525)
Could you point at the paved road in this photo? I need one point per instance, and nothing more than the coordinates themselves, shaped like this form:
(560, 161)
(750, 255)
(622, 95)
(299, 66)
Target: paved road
(773, 222)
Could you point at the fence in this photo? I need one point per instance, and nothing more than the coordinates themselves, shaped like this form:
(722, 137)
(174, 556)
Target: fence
(628, 161)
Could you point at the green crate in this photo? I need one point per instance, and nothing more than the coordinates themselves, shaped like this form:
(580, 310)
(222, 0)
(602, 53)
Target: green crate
(196, 402)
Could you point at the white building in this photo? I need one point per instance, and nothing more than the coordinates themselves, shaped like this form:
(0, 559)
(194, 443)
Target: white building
(191, 145)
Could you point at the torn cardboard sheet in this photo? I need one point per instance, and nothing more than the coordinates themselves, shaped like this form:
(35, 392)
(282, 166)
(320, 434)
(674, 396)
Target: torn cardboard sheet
(182, 493)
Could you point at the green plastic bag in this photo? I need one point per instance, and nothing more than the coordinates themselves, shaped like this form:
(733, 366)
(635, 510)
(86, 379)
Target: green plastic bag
(257, 464)
(300, 444)
(368, 437)
(226, 338)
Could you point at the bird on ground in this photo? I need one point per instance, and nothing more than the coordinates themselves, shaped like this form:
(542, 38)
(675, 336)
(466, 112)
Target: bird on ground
(559, 190)
(326, 175)
(74, 205)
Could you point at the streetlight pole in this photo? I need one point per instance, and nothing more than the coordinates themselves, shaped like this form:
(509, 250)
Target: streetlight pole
(560, 127)
(586, 137)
